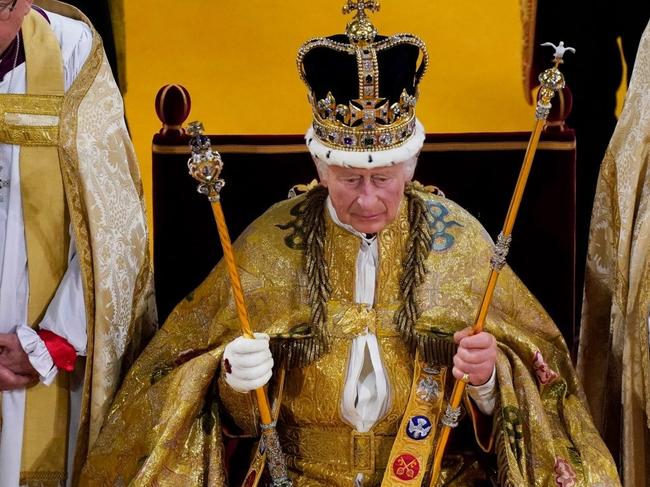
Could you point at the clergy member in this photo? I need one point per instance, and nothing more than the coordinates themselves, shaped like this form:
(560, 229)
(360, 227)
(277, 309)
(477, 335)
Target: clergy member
(614, 356)
(74, 266)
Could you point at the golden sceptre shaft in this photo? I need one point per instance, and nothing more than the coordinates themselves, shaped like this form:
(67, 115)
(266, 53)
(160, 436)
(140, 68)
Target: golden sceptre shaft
(551, 81)
(205, 166)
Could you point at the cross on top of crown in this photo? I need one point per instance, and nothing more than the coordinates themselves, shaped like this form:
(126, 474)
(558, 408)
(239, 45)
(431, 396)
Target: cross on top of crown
(361, 6)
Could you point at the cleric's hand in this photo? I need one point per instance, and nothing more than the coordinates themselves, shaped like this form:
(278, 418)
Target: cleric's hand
(16, 371)
(248, 362)
(476, 356)
(10, 381)
(13, 357)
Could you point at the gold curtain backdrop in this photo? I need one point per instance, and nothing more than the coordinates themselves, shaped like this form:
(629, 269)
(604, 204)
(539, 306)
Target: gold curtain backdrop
(237, 59)
(117, 15)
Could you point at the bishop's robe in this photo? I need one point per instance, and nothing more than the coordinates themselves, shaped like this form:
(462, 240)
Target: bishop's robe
(614, 354)
(73, 242)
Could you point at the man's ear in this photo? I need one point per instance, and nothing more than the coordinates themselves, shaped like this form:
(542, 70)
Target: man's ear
(322, 171)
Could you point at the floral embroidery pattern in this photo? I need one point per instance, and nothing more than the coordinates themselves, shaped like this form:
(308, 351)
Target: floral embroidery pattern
(441, 239)
(544, 373)
(564, 474)
(514, 429)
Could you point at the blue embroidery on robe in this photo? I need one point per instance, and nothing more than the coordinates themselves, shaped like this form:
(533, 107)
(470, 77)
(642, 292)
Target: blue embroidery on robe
(441, 239)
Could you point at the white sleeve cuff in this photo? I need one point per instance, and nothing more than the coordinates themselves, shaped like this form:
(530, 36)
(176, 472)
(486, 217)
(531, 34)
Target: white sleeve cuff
(66, 313)
(485, 395)
(38, 354)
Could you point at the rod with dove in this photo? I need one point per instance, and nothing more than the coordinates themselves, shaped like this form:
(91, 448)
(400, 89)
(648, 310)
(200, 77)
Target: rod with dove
(551, 81)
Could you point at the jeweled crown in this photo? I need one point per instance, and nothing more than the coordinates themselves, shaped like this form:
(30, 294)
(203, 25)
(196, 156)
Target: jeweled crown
(363, 87)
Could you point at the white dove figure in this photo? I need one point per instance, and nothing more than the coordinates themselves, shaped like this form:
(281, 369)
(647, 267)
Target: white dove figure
(559, 49)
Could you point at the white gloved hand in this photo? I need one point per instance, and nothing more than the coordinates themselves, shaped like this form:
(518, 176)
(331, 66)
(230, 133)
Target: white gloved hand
(248, 362)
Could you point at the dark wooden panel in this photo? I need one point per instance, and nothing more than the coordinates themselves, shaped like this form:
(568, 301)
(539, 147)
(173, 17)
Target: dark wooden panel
(476, 170)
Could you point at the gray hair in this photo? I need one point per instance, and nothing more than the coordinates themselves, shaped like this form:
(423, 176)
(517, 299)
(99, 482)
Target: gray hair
(408, 165)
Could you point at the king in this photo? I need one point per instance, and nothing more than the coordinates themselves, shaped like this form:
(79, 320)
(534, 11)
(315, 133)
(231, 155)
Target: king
(362, 292)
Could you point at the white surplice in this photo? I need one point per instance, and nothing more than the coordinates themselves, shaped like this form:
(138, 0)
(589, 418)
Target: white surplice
(66, 314)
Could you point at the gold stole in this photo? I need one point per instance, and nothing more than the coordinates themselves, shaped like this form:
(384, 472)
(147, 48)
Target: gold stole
(409, 456)
(32, 122)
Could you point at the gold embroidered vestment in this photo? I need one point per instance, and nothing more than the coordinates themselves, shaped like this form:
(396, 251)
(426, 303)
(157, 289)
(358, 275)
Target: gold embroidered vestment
(174, 405)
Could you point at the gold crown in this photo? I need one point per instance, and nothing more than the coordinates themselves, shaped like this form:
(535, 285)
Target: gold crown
(368, 122)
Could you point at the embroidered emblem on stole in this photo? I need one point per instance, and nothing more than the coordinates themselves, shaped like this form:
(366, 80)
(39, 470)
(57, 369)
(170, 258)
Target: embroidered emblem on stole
(415, 438)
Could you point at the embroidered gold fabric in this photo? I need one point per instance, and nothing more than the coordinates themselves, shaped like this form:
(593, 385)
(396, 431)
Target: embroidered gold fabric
(613, 359)
(426, 401)
(45, 436)
(540, 420)
(105, 203)
(41, 129)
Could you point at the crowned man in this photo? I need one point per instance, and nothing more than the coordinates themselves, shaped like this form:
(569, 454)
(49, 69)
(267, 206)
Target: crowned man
(75, 281)
(362, 291)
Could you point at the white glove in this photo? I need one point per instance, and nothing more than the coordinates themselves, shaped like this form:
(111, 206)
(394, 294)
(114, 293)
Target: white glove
(248, 362)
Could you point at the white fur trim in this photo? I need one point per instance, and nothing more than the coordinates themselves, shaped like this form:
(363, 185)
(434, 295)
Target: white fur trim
(369, 159)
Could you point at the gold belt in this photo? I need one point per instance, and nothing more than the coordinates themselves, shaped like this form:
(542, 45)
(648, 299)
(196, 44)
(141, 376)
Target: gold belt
(341, 448)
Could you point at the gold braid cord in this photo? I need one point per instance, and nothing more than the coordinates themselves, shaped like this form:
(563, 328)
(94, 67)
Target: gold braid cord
(299, 350)
(414, 269)
(432, 349)
(318, 278)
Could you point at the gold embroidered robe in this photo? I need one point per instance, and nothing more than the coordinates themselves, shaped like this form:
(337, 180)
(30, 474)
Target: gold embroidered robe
(173, 404)
(614, 354)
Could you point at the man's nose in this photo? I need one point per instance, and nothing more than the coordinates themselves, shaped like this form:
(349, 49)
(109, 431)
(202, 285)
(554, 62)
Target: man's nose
(367, 195)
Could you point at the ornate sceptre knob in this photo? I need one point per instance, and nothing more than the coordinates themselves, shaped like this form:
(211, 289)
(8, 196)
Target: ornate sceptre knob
(551, 81)
(205, 166)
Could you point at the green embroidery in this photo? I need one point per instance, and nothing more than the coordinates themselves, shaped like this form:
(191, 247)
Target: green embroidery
(513, 429)
(556, 390)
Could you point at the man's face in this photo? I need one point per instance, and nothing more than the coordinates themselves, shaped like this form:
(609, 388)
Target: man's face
(367, 199)
(9, 28)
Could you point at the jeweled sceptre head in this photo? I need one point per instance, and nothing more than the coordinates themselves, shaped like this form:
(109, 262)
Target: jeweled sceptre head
(551, 80)
(204, 165)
